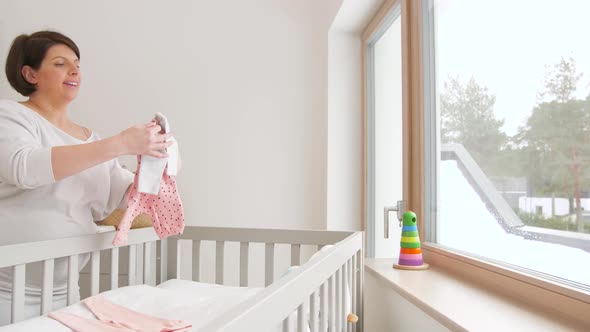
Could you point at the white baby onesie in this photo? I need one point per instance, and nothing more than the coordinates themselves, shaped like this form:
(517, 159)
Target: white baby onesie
(152, 168)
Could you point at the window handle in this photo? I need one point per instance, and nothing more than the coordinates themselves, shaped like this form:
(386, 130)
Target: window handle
(400, 208)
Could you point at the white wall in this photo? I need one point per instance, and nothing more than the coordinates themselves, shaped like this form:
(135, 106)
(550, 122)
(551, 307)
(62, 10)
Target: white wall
(345, 114)
(244, 84)
(345, 128)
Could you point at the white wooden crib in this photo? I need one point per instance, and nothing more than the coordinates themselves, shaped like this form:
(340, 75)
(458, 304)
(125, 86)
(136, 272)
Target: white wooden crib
(311, 297)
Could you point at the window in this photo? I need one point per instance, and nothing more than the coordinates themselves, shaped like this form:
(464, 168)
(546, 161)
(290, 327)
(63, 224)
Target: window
(507, 126)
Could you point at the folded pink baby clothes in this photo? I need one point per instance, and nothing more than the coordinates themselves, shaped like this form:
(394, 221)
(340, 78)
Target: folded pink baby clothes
(116, 318)
(165, 208)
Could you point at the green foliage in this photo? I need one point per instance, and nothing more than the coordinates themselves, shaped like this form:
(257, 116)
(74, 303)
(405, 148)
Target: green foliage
(559, 223)
(556, 146)
(467, 116)
(554, 140)
(509, 162)
(560, 81)
(552, 150)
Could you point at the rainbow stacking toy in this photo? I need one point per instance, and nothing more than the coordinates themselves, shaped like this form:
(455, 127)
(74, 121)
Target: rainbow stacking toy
(410, 255)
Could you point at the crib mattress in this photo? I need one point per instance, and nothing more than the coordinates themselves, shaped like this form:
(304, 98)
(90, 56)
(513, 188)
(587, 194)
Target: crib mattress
(190, 301)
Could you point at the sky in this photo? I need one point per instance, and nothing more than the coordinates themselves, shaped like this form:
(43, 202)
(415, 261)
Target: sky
(505, 45)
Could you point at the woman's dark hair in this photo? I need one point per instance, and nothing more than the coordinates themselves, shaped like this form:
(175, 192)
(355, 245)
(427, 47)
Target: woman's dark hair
(30, 50)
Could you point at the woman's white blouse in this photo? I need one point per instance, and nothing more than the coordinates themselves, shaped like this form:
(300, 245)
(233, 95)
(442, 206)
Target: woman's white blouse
(35, 207)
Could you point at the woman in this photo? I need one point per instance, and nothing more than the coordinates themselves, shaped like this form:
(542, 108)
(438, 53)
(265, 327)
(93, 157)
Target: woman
(56, 177)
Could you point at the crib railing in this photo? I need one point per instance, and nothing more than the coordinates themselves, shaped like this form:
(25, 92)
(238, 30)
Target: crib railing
(318, 287)
(246, 237)
(18, 255)
(314, 292)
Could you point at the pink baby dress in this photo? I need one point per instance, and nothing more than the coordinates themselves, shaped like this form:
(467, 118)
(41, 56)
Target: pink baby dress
(165, 208)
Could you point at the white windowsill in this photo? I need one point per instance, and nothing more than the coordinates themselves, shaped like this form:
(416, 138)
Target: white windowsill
(463, 306)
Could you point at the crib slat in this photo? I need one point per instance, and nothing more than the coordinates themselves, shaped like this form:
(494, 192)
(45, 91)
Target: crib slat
(348, 298)
(184, 256)
(339, 299)
(219, 255)
(313, 311)
(324, 307)
(47, 290)
(196, 260)
(331, 302)
(72, 279)
(295, 254)
(115, 268)
(353, 287)
(18, 293)
(244, 248)
(132, 265)
(359, 289)
(179, 259)
(301, 317)
(269, 262)
(172, 257)
(163, 260)
(344, 296)
(288, 324)
(94, 272)
(153, 247)
(139, 263)
(146, 263)
(149, 275)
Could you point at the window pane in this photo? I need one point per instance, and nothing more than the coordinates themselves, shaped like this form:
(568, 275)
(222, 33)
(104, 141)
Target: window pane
(513, 110)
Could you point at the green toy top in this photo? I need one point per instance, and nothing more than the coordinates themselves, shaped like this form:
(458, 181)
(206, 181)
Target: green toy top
(409, 218)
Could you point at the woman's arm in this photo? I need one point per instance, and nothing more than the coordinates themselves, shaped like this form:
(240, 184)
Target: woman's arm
(143, 139)
(71, 159)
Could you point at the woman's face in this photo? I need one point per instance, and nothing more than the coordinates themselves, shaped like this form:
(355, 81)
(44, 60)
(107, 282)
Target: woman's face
(59, 76)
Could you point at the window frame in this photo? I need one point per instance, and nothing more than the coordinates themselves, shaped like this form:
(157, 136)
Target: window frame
(391, 13)
(421, 174)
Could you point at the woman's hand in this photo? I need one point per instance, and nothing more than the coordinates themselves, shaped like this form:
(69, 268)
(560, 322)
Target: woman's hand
(146, 140)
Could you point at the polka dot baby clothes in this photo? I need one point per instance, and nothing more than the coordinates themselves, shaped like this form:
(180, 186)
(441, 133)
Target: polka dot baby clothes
(165, 208)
